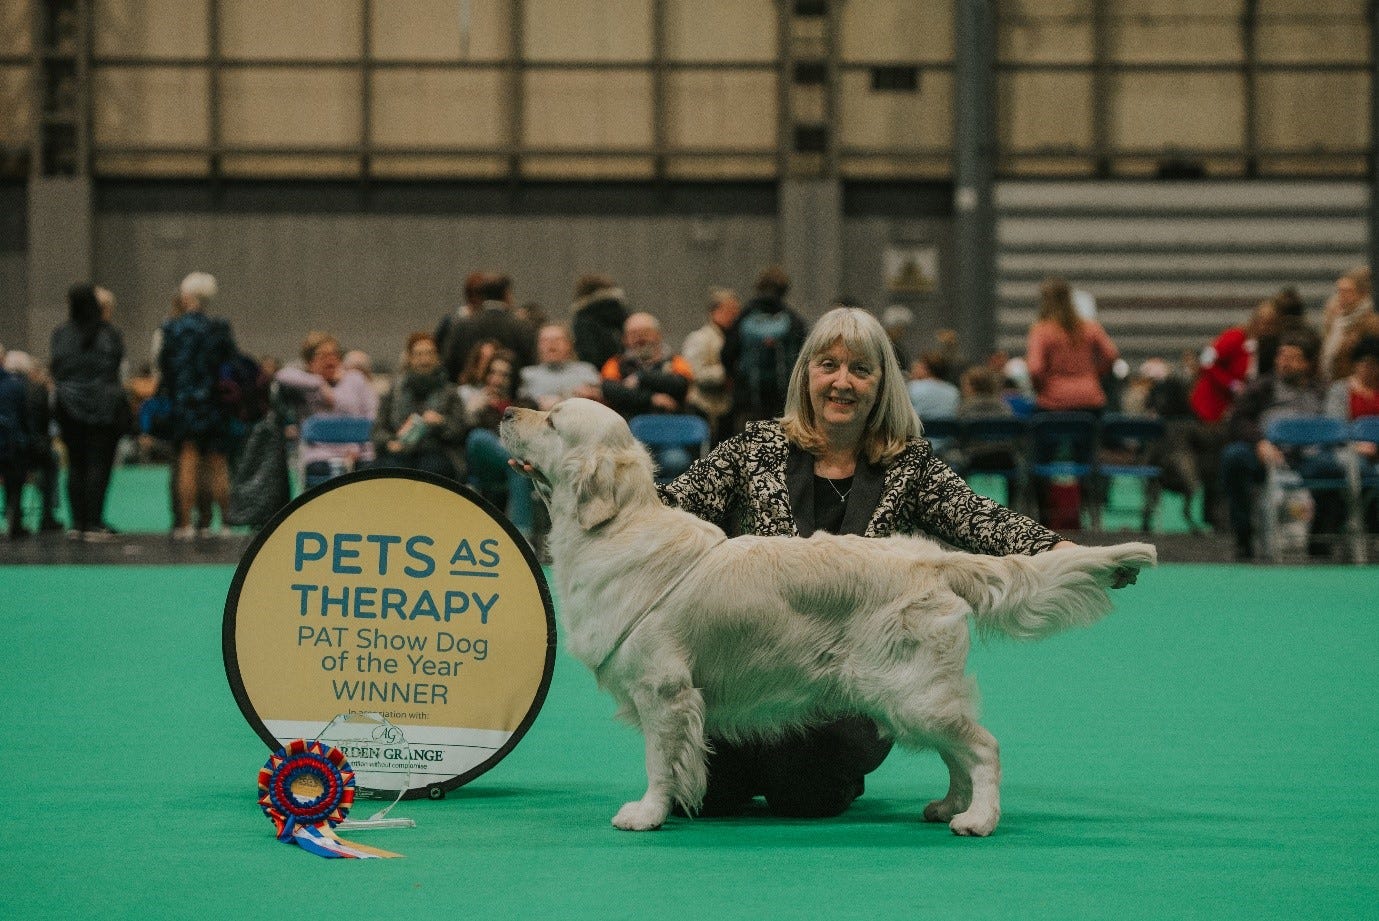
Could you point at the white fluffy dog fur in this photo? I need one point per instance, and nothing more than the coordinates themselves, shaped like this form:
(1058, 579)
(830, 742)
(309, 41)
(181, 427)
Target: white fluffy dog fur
(755, 636)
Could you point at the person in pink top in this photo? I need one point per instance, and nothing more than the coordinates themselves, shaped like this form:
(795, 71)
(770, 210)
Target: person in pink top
(1067, 355)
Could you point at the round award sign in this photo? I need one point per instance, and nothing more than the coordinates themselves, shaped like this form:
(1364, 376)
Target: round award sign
(393, 594)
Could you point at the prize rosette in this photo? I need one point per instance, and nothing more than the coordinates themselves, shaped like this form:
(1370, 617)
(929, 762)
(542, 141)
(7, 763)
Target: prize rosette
(306, 789)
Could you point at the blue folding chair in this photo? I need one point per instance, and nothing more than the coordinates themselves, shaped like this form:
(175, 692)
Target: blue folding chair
(998, 446)
(1364, 473)
(667, 434)
(1063, 446)
(333, 430)
(1127, 444)
(1315, 437)
(942, 433)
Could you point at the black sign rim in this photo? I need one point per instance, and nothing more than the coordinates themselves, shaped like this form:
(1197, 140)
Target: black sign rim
(227, 634)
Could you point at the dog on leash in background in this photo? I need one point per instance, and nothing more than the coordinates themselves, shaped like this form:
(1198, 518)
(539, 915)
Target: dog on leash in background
(697, 635)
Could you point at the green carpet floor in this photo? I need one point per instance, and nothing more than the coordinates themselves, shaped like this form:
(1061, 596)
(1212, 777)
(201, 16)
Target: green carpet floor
(1206, 752)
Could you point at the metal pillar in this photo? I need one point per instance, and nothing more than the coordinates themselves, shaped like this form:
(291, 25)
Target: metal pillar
(974, 171)
(1374, 134)
(60, 211)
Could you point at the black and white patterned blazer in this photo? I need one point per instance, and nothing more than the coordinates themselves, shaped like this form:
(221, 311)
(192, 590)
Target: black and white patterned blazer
(758, 483)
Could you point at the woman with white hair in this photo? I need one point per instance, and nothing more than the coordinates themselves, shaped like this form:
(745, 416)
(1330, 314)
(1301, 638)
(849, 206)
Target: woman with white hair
(846, 457)
(193, 348)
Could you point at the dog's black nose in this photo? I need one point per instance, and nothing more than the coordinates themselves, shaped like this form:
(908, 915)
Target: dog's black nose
(508, 413)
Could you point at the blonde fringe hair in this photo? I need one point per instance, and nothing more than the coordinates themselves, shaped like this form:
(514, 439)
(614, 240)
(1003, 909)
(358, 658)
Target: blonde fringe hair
(892, 422)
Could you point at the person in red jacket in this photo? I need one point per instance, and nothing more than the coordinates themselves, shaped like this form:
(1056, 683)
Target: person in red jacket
(1225, 367)
(1229, 363)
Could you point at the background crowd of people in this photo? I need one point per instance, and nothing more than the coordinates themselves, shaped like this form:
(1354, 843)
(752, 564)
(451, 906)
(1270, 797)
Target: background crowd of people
(199, 398)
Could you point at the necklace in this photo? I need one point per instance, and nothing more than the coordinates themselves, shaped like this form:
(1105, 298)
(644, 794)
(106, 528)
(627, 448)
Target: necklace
(841, 494)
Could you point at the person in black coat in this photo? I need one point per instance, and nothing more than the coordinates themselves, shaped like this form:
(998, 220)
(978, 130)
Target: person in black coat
(92, 411)
(494, 319)
(597, 317)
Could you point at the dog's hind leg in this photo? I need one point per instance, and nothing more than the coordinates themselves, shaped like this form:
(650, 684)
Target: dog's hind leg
(977, 753)
(671, 715)
(959, 795)
(973, 803)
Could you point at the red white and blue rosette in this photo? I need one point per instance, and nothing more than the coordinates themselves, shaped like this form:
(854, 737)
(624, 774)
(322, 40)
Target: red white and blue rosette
(308, 820)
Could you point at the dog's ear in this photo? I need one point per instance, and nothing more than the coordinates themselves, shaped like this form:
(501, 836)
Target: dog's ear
(595, 487)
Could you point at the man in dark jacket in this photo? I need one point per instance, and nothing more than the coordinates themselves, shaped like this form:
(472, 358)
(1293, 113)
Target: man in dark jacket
(761, 348)
(494, 319)
(644, 379)
(1293, 390)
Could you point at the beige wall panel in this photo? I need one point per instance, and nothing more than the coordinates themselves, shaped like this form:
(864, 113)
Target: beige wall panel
(429, 30)
(1298, 31)
(1047, 166)
(587, 30)
(268, 166)
(1313, 9)
(896, 120)
(909, 167)
(188, 165)
(588, 167)
(1177, 109)
(883, 30)
(721, 109)
(1302, 110)
(437, 108)
(1176, 30)
(16, 106)
(16, 27)
(721, 30)
(1329, 42)
(151, 28)
(448, 167)
(1314, 166)
(1038, 109)
(1048, 32)
(705, 168)
(585, 109)
(151, 106)
(300, 29)
(290, 106)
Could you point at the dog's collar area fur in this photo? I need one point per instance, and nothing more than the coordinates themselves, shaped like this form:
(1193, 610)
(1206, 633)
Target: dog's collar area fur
(635, 622)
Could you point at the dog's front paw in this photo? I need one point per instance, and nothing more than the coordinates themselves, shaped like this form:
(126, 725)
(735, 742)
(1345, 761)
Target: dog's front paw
(975, 823)
(639, 815)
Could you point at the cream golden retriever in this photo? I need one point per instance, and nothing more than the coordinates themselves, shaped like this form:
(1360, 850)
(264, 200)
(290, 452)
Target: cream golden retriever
(697, 635)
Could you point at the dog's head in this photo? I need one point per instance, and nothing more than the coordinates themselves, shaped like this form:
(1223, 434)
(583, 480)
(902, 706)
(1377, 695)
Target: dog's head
(581, 451)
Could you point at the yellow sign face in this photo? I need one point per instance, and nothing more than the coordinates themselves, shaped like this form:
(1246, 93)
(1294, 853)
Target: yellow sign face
(395, 593)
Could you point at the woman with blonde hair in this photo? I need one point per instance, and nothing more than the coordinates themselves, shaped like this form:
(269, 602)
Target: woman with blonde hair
(1352, 303)
(847, 458)
(1067, 354)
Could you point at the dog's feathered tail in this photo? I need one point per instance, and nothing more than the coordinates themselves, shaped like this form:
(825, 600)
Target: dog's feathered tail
(1031, 597)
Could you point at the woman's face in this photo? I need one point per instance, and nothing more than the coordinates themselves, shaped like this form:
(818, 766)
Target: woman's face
(842, 388)
(424, 357)
(325, 361)
(499, 376)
